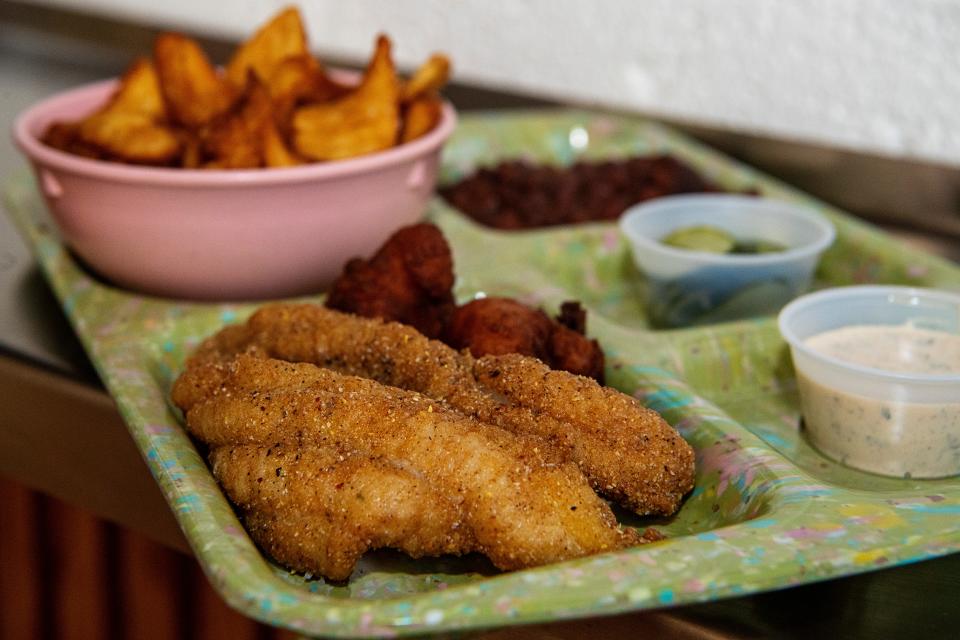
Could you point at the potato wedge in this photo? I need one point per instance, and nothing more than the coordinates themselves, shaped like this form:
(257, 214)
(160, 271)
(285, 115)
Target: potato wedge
(130, 126)
(420, 116)
(364, 121)
(283, 37)
(65, 136)
(235, 141)
(139, 92)
(275, 150)
(133, 137)
(191, 154)
(273, 105)
(429, 78)
(300, 79)
(195, 93)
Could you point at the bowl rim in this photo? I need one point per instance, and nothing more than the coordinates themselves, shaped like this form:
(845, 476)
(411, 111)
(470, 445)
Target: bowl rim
(37, 152)
(787, 314)
(825, 228)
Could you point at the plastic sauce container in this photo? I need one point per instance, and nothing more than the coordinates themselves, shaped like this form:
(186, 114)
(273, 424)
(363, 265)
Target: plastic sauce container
(878, 372)
(686, 287)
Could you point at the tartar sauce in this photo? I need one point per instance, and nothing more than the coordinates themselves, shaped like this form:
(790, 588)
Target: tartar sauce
(886, 434)
(898, 348)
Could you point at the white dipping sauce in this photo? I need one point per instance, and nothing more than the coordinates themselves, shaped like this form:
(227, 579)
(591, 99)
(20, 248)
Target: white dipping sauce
(903, 349)
(883, 434)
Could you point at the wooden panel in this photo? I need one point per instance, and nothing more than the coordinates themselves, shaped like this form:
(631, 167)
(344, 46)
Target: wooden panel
(67, 439)
(66, 574)
(20, 587)
(77, 571)
(152, 580)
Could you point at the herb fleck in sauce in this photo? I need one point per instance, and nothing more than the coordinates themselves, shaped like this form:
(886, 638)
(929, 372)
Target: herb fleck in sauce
(884, 434)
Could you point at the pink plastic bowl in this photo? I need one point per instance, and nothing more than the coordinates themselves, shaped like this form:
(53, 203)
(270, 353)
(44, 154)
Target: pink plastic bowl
(225, 235)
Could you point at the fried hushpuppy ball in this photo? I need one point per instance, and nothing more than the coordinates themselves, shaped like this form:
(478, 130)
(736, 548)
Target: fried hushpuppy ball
(497, 326)
(409, 280)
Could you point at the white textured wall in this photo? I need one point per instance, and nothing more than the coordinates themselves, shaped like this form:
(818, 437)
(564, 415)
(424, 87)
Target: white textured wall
(881, 76)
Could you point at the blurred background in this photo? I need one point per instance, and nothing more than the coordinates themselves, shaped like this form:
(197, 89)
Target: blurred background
(853, 101)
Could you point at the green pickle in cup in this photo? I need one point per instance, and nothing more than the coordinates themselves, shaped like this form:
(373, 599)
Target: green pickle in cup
(711, 239)
(708, 258)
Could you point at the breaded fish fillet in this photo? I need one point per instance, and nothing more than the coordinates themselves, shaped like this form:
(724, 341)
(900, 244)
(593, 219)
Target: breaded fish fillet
(316, 510)
(521, 507)
(628, 452)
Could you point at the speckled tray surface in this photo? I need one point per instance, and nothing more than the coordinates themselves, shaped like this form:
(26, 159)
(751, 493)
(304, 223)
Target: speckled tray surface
(768, 511)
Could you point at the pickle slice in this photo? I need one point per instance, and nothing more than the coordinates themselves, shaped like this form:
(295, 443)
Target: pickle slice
(758, 246)
(701, 238)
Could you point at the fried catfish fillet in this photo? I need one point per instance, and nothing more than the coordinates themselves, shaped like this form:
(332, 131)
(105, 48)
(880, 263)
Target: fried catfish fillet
(409, 280)
(319, 510)
(519, 506)
(628, 452)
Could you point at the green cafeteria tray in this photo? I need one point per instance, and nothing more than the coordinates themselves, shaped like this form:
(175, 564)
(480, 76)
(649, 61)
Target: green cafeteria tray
(767, 512)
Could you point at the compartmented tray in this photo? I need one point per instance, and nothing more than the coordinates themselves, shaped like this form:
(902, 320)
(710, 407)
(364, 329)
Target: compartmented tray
(767, 512)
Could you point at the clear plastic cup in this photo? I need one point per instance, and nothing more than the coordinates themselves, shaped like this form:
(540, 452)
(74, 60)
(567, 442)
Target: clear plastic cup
(885, 420)
(685, 287)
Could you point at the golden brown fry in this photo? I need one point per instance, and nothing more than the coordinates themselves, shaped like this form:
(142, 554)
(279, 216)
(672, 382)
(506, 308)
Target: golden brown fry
(65, 136)
(275, 151)
(164, 110)
(139, 92)
(318, 510)
(236, 140)
(282, 37)
(300, 79)
(364, 121)
(428, 79)
(132, 137)
(421, 116)
(521, 508)
(194, 91)
(628, 452)
(192, 155)
(129, 125)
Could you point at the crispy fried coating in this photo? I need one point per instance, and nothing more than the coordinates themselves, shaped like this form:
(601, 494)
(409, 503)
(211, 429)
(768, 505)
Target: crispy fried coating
(497, 326)
(410, 280)
(420, 117)
(628, 452)
(317, 510)
(194, 90)
(521, 507)
(365, 120)
(281, 38)
(132, 125)
(235, 139)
